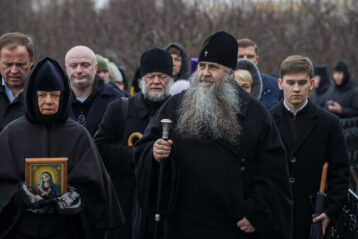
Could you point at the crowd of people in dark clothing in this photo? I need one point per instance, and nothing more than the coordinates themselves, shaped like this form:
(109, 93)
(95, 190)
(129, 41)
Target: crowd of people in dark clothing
(242, 157)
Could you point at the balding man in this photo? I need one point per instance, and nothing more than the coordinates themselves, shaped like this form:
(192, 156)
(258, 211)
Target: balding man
(92, 95)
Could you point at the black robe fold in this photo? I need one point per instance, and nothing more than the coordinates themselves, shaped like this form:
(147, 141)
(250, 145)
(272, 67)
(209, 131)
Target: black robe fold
(219, 183)
(86, 171)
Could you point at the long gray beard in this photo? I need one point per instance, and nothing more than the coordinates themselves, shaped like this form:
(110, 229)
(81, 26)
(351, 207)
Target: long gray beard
(208, 113)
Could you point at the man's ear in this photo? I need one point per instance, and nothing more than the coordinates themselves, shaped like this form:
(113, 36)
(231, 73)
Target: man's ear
(280, 81)
(312, 83)
(257, 59)
(96, 67)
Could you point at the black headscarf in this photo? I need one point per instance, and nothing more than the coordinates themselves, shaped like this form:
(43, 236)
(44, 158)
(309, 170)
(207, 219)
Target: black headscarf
(341, 66)
(47, 75)
(324, 82)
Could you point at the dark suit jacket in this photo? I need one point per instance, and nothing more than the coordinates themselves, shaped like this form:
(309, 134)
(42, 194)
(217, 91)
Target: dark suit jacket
(320, 139)
(9, 111)
(271, 94)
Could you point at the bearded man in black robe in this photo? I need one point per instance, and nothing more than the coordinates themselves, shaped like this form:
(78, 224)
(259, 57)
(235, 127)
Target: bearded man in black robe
(90, 205)
(225, 173)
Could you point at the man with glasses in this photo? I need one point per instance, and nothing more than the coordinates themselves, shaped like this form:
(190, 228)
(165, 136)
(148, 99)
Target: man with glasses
(125, 121)
(16, 59)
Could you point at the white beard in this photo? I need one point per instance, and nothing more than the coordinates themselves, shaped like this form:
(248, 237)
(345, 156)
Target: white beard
(210, 112)
(154, 95)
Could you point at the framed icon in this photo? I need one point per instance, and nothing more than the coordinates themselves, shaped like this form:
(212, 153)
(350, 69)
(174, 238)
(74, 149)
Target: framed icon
(47, 177)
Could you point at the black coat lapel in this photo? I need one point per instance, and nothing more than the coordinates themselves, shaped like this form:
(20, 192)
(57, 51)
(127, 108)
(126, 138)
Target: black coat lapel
(309, 124)
(282, 125)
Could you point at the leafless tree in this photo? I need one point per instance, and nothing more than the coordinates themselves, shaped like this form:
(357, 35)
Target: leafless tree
(324, 30)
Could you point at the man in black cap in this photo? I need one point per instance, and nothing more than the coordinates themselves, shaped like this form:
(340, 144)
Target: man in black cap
(322, 82)
(225, 167)
(125, 121)
(342, 97)
(90, 206)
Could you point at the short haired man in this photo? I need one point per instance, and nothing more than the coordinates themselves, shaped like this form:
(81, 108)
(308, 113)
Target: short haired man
(16, 59)
(311, 136)
(180, 61)
(92, 95)
(114, 137)
(230, 172)
(271, 94)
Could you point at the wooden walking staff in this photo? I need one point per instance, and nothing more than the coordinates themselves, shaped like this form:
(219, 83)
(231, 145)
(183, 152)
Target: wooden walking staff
(157, 216)
(323, 177)
(316, 227)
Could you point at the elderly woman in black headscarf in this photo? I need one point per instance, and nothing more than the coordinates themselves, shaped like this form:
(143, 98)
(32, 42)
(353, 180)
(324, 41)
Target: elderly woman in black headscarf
(46, 131)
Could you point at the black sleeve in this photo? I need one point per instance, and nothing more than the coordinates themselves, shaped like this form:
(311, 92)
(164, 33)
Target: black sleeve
(338, 172)
(351, 111)
(269, 205)
(115, 155)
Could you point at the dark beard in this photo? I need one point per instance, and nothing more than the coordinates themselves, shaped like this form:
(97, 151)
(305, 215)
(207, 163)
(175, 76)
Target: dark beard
(208, 113)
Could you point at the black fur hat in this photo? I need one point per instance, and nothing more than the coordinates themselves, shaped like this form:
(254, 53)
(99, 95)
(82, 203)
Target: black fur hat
(156, 60)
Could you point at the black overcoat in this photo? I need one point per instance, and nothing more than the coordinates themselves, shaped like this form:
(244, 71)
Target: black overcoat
(346, 95)
(219, 183)
(9, 111)
(320, 140)
(102, 94)
(112, 142)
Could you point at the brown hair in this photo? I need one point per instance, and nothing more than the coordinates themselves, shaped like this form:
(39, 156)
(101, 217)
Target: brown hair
(174, 50)
(14, 39)
(246, 42)
(296, 64)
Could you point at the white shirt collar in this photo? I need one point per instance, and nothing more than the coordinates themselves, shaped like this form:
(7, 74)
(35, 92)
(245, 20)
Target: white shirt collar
(8, 92)
(295, 113)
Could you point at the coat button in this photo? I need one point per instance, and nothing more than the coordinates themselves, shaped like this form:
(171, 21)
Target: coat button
(243, 168)
(292, 179)
(293, 160)
(243, 161)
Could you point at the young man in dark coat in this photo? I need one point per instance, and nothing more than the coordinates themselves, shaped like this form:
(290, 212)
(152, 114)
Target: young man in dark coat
(16, 59)
(342, 96)
(92, 95)
(312, 136)
(90, 206)
(227, 161)
(270, 94)
(119, 127)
